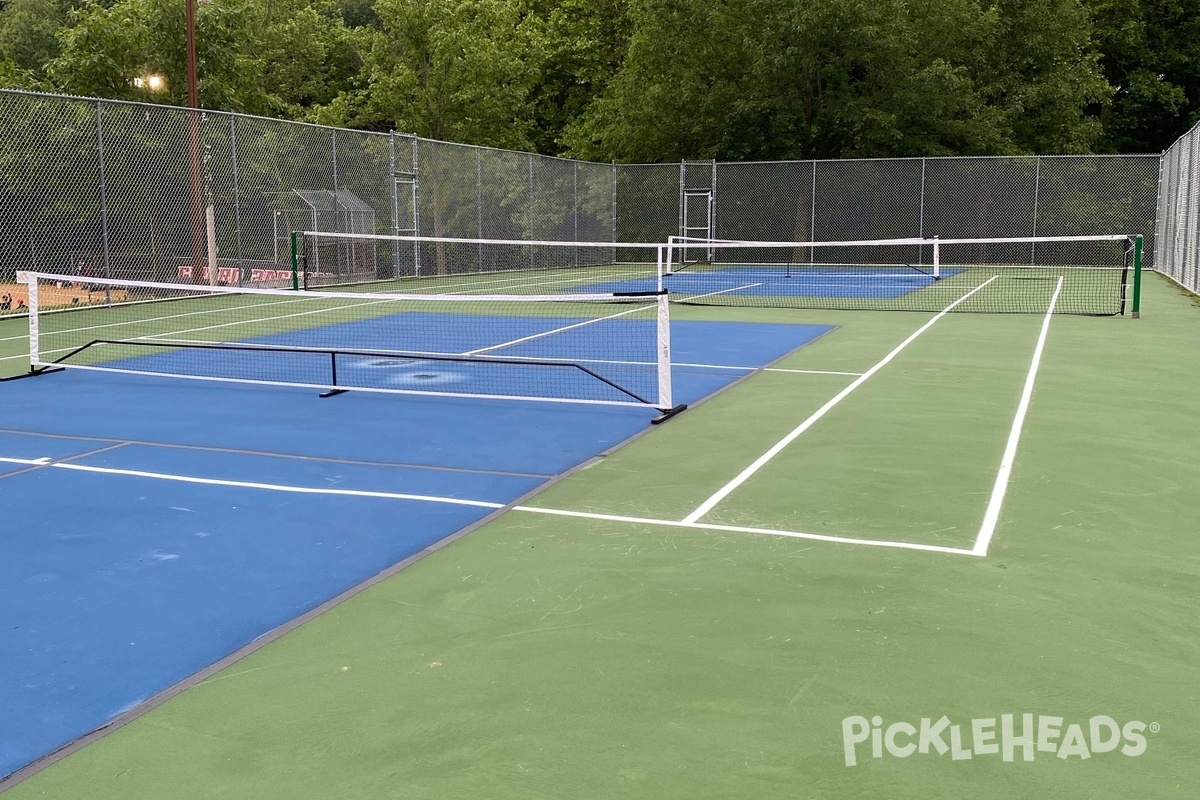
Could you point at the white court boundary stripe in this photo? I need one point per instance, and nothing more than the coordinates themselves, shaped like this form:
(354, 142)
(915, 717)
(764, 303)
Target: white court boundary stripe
(148, 319)
(544, 334)
(992, 516)
(273, 487)
(46, 462)
(391, 390)
(820, 537)
(762, 460)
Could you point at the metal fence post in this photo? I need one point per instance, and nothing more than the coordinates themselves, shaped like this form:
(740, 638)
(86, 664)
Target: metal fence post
(575, 211)
(103, 190)
(812, 220)
(395, 202)
(479, 206)
(1037, 189)
(237, 197)
(337, 213)
(921, 218)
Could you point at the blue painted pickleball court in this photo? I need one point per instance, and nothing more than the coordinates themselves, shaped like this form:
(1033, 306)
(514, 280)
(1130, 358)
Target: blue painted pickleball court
(782, 280)
(152, 526)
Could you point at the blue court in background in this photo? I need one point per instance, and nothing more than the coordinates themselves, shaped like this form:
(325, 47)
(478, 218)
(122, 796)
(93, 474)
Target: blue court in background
(151, 526)
(796, 280)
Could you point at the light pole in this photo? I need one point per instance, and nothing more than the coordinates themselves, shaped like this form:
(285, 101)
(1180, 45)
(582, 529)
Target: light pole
(194, 157)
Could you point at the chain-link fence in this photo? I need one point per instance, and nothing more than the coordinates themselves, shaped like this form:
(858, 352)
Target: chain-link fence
(95, 187)
(871, 199)
(129, 190)
(1178, 228)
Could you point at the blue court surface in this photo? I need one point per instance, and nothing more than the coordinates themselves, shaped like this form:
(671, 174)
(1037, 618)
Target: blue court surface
(798, 280)
(151, 526)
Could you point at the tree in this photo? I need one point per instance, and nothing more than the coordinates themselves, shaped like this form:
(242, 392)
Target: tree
(279, 57)
(750, 79)
(108, 50)
(583, 45)
(455, 70)
(27, 30)
(1152, 56)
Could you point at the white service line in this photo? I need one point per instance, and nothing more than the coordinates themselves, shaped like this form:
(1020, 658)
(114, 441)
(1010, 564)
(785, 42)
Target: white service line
(820, 537)
(813, 372)
(763, 369)
(762, 460)
(544, 334)
(273, 487)
(723, 291)
(592, 278)
(992, 516)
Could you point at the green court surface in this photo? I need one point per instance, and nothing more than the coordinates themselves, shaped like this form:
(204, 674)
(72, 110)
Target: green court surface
(616, 652)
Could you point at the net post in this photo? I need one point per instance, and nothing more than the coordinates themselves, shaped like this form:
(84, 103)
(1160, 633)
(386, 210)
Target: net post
(664, 362)
(295, 261)
(29, 279)
(664, 352)
(1136, 312)
(659, 254)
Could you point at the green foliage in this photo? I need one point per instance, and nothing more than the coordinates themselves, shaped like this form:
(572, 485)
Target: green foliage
(27, 30)
(277, 57)
(1152, 56)
(653, 80)
(107, 49)
(762, 79)
(457, 70)
(582, 47)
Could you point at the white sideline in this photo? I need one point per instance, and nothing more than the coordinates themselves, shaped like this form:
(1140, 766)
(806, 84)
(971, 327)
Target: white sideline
(762, 460)
(1000, 488)
(820, 537)
(274, 487)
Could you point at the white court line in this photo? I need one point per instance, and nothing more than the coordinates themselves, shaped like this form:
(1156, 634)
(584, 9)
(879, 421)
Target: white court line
(544, 334)
(148, 319)
(46, 462)
(593, 278)
(992, 516)
(28, 462)
(723, 291)
(820, 537)
(813, 372)
(152, 336)
(762, 460)
(273, 487)
(763, 369)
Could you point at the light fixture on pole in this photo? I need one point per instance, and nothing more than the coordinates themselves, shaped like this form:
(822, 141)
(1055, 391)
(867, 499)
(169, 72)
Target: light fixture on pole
(194, 155)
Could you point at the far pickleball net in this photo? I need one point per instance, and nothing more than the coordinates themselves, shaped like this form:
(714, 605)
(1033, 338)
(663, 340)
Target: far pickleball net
(591, 348)
(907, 274)
(369, 262)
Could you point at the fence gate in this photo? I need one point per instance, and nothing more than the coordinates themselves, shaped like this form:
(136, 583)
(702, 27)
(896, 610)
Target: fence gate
(697, 201)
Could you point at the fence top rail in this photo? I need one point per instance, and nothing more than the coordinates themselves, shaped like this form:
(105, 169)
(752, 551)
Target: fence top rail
(184, 109)
(415, 137)
(462, 240)
(698, 242)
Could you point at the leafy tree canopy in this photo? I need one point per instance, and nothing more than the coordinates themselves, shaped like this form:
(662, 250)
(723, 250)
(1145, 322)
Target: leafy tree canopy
(652, 80)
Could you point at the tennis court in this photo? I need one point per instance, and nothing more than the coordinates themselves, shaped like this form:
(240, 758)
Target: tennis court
(863, 513)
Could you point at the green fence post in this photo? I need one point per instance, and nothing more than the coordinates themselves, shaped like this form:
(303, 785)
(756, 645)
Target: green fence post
(295, 261)
(1137, 277)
